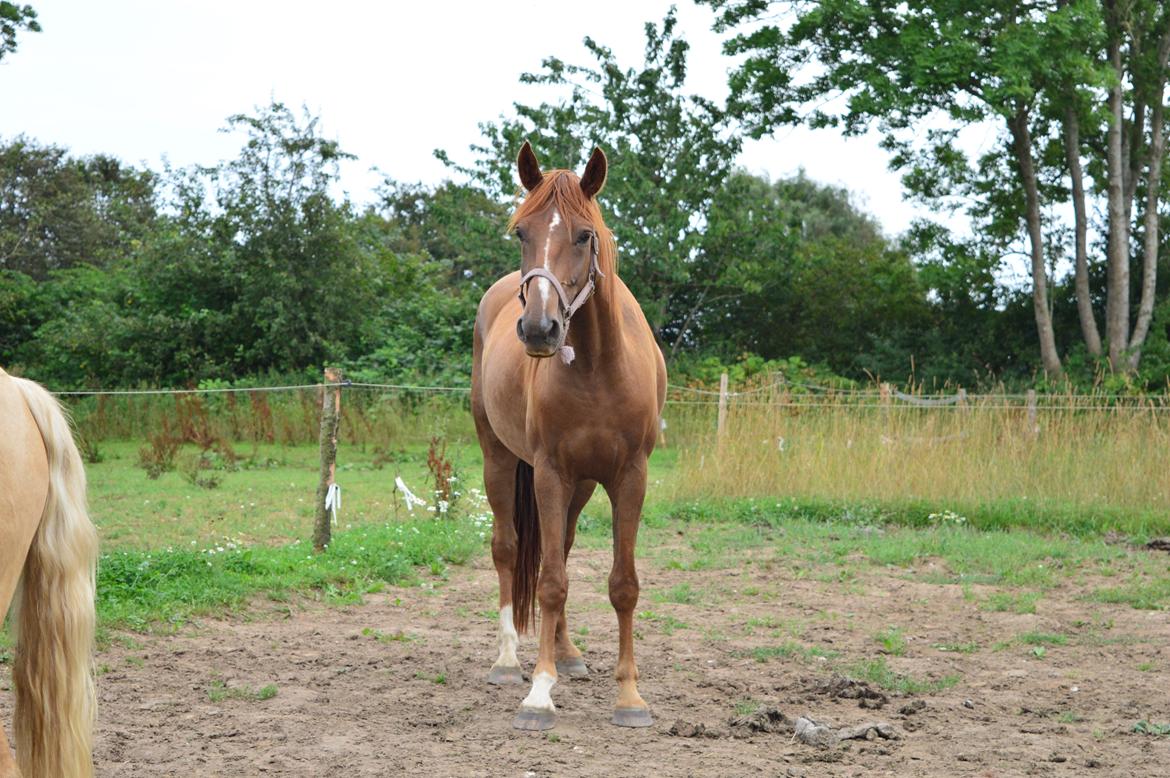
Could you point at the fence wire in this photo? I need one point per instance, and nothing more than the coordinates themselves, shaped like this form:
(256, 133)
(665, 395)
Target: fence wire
(776, 394)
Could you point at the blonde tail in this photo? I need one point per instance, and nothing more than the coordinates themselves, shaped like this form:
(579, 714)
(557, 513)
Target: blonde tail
(52, 672)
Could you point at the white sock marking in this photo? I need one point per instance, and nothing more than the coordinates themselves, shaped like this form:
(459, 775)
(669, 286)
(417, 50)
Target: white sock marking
(539, 698)
(509, 640)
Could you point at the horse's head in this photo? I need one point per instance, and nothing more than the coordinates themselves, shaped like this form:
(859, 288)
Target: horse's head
(559, 226)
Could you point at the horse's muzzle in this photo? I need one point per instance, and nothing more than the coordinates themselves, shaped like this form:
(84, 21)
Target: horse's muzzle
(542, 337)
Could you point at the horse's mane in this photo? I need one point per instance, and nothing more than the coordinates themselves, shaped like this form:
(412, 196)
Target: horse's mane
(563, 188)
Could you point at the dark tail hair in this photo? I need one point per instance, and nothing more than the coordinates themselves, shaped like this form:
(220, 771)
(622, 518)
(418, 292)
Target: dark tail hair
(526, 519)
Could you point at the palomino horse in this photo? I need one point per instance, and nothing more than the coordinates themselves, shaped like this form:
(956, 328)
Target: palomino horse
(49, 546)
(559, 410)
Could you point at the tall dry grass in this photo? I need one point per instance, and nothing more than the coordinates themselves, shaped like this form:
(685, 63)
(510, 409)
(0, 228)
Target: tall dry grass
(368, 417)
(1078, 452)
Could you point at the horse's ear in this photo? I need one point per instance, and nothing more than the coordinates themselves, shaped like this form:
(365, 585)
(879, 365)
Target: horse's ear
(593, 179)
(529, 167)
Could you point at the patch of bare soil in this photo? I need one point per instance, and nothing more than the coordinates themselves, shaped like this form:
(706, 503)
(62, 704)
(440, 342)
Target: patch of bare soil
(397, 686)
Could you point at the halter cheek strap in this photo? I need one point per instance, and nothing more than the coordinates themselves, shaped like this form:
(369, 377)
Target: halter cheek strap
(568, 307)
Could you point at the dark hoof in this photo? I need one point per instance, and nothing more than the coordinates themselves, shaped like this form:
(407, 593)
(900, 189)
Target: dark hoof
(534, 720)
(505, 676)
(632, 717)
(574, 668)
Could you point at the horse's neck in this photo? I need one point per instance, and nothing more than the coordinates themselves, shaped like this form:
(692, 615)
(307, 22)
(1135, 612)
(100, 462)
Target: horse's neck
(595, 331)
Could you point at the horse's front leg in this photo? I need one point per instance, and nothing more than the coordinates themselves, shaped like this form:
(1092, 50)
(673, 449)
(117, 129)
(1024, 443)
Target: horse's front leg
(553, 494)
(627, 496)
(569, 659)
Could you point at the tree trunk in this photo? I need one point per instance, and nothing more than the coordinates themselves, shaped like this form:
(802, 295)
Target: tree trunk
(1154, 162)
(1072, 147)
(1117, 295)
(1022, 148)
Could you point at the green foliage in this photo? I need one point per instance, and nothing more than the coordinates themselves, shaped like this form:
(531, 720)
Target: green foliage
(300, 286)
(781, 259)
(923, 73)
(112, 276)
(13, 19)
(1144, 727)
(879, 673)
(748, 368)
(137, 589)
(58, 211)
(218, 691)
(254, 268)
(660, 196)
(22, 310)
(892, 640)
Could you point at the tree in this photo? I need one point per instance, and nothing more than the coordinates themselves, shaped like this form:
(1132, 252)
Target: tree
(1063, 79)
(260, 246)
(1137, 52)
(253, 268)
(797, 269)
(459, 227)
(902, 66)
(670, 152)
(58, 211)
(13, 19)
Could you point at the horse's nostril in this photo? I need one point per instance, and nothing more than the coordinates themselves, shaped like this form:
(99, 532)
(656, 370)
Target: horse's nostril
(554, 329)
(520, 328)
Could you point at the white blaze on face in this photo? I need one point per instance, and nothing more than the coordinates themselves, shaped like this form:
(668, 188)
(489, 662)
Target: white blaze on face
(509, 640)
(539, 698)
(544, 285)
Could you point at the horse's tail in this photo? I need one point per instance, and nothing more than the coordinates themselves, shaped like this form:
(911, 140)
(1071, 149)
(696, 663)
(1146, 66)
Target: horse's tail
(526, 519)
(52, 673)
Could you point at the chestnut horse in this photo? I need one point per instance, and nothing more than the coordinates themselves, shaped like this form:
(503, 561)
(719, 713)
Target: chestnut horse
(558, 410)
(49, 546)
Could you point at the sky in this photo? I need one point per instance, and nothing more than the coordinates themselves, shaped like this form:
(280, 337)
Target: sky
(392, 81)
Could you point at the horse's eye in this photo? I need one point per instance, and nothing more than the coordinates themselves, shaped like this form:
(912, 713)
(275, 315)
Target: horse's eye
(520, 235)
(584, 238)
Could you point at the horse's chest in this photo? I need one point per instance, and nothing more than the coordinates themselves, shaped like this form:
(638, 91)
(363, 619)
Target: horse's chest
(589, 438)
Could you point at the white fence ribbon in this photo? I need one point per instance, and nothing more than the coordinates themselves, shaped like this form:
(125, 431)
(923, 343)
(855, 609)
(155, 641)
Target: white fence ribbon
(333, 500)
(408, 495)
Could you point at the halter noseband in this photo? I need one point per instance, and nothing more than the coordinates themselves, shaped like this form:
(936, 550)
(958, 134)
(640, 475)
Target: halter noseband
(568, 307)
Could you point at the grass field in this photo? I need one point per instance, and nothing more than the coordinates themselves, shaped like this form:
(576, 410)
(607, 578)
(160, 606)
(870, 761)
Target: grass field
(826, 488)
(172, 549)
(1079, 466)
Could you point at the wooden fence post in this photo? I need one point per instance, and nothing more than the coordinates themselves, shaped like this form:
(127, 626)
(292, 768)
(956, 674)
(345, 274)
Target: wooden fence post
(721, 427)
(1033, 427)
(330, 419)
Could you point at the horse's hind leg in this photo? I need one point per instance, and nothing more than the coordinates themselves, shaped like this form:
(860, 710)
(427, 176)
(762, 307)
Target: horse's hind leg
(553, 495)
(569, 659)
(15, 536)
(16, 533)
(24, 482)
(7, 763)
(499, 479)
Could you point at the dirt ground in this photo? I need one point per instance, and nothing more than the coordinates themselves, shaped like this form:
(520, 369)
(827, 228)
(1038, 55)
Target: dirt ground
(353, 700)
